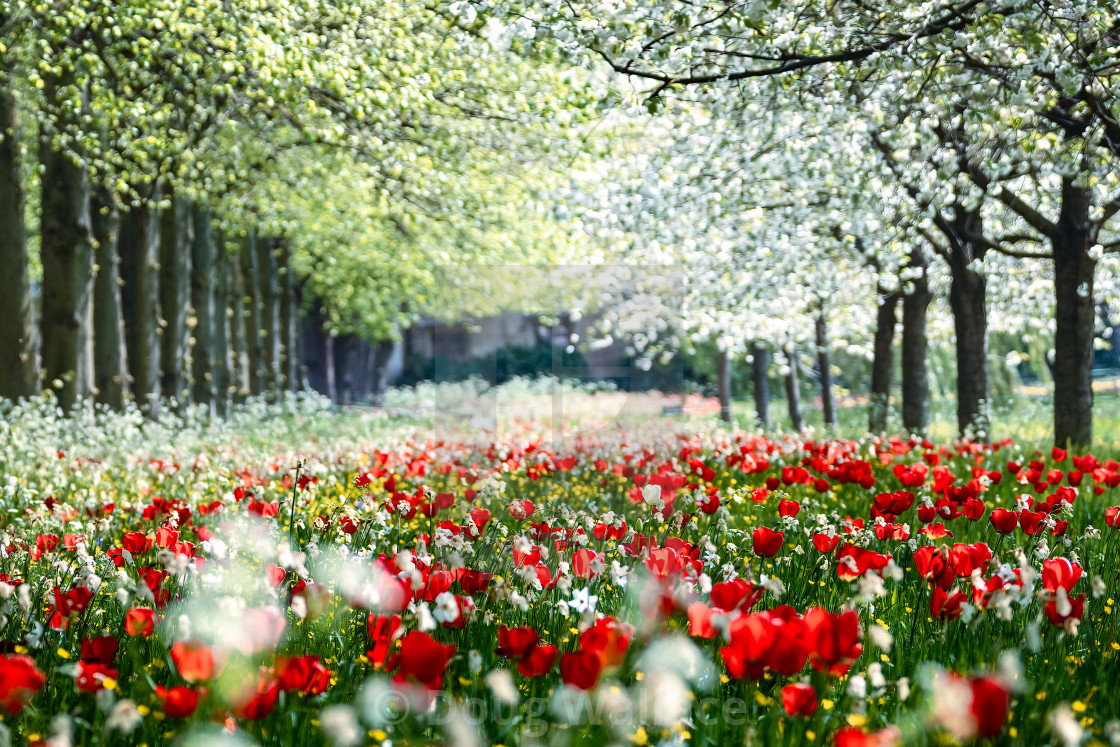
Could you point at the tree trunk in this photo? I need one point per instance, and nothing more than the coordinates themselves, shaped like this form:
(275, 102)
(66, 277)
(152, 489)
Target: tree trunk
(139, 253)
(268, 277)
(289, 327)
(254, 344)
(175, 241)
(384, 352)
(793, 389)
(915, 361)
(760, 376)
(343, 373)
(824, 365)
(110, 361)
(223, 322)
(238, 322)
(66, 253)
(1074, 316)
(723, 374)
(882, 363)
(329, 368)
(19, 359)
(967, 297)
(203, 279)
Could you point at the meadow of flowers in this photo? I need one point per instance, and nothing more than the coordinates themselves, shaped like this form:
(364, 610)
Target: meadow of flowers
(636, 586)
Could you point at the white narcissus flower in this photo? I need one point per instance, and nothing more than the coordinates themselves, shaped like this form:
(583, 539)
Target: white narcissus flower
(583, 601)
(1065, 726)
(447, 608)
(619, 575)
(501, 684)
(881, 637)
(340, 725)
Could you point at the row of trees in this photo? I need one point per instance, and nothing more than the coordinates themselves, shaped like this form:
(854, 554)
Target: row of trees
(179, 184)
(955, 150)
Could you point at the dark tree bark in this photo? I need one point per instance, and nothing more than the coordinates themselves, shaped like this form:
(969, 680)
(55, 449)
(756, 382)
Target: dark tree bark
(110, 361)
(203, 281)
(824, 367)
(1074, 271)
(254, 342)
(760, 377)
(793, 389)
(268, 278)
(329, 364)
(882, 364)
(723, 374)
(19, 358)
(223, 324)
(967, 298)
(289, 324)
(175, 277)
(915, 344)
(66, 252)
(383, 354)
(238, 321)
(139, 253)
(343, 374)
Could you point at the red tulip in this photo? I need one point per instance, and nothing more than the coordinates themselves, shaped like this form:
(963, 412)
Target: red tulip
(178, 702)
(382, 630)
(1029, 521)
(1003, 521)
(1057, 618)
(475, 582)
(522, 509)
(194, 660)
(825, 543)
(139, 622)
(581, 563)
(304, 674)
(100, 650)
(1060, 573)
(747, 653)
(258, 702)
(851, 736)
(1112, 516)
(990, 701)
(516, 643)
(581, 669)
(68, 604)
(91, 677)
(799, 700)
(788, 508)
(767, 543)
(136, 542)
(943, 606)
(480, 517)
(731, 595)
(933, 565)
(609, 639)
(539, 662)
(833, 639)
(166, 536)
(275, 575)
(421, 658)
(20, 680)
(967, 558)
